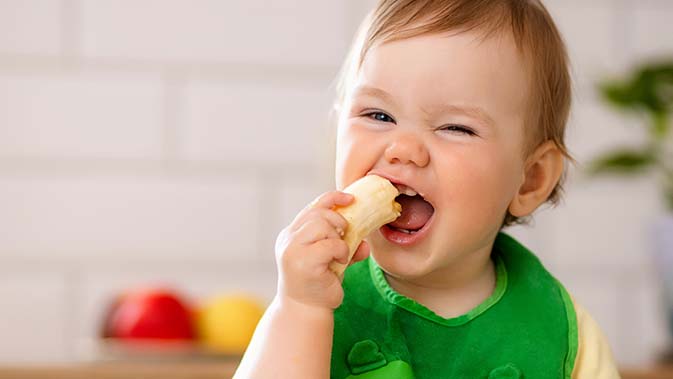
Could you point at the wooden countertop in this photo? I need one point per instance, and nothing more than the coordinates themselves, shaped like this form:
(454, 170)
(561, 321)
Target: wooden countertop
(663, 372)
(194, 370)
(125, 370)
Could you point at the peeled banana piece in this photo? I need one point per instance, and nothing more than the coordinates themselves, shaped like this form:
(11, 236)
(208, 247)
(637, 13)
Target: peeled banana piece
(373, 207)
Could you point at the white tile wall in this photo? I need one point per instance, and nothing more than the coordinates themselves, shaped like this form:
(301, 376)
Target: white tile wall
(357, 10)
(293, 197)
(652, 37)
(618, 220)
(33, 316)
(595, 129)
(645, 325)
(254, 123)
(129, 217)
(589, 27)
(294, 32)
(536, 236)
(30, 27)
(80, 115)
(146, 142)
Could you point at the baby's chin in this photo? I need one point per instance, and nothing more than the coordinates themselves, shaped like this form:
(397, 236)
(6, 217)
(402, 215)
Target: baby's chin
(426, 261)
(405, 264)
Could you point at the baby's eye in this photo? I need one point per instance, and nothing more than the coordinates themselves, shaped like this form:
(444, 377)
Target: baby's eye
(458, 129)
(380, 116)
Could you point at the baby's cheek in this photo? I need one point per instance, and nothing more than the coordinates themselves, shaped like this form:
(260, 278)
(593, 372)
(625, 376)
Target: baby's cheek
(352, 159)
(486, 191)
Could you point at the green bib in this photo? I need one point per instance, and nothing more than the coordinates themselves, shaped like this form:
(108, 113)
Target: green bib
(526, 329)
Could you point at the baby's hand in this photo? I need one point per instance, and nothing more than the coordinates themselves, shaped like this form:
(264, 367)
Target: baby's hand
(305, 248)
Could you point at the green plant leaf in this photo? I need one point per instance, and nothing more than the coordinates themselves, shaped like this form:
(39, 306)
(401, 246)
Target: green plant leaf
(649, 89)
(668, 198)
(621, 95)
(668, 188)
(622, 162)
(660, 125)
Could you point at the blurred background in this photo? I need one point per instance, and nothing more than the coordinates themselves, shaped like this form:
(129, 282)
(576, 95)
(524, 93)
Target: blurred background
(166, 143)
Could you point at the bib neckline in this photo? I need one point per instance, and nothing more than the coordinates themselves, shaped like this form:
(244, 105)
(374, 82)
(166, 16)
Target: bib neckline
(393, 297)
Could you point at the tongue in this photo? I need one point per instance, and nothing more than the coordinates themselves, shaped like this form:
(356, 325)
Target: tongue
(415, 212)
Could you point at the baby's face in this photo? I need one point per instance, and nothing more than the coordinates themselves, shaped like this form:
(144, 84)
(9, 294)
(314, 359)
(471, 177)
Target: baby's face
(444, 115)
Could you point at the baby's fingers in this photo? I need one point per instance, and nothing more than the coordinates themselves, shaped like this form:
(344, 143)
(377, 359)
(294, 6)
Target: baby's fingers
(315, 258)
(329, 200)
(331, 250)
(336, 220)
(315, 230)
(326, 201)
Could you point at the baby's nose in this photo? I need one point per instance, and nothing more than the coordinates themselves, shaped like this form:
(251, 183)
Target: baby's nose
(407, 148)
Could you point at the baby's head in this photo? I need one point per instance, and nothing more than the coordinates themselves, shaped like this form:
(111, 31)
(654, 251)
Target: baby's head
(529, 25)
(466, 102)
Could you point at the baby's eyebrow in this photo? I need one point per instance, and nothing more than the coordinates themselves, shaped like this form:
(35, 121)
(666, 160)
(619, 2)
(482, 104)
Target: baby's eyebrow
(374, 92)
(467, 110)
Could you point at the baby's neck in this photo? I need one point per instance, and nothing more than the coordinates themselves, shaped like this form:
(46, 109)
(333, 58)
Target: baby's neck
(465, 288)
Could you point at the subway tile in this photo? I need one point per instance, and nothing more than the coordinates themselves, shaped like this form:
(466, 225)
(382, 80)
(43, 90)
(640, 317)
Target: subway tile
(254, 123)
(30, 27)
(539, 235)
(292, 197)
(357, 10)
(606, 221)
(360, 8)
(295, 32)
(80, 116)
(284, 194)
(128, 217)
(642, 320)
(652, 30)
(34, 316)
(595, 127)
(589, 30)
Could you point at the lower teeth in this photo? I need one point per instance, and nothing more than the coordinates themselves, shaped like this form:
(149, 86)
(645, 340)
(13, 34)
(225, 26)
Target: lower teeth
(406, 231)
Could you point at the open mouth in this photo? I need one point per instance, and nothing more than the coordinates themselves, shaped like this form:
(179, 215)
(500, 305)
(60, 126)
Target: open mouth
(416, 211)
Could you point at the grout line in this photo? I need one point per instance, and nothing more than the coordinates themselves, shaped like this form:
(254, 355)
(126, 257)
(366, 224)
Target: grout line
(599, 272)
(625, 291)
(310, 76)
(70, 29)
(268, 211)
(269, 206)
(622, 31)
(173, 87)
(354, 16)
(123, 166)
(72, 283)
(75, 266)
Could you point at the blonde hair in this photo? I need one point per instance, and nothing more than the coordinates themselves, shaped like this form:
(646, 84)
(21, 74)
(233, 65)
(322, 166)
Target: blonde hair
(533, 30)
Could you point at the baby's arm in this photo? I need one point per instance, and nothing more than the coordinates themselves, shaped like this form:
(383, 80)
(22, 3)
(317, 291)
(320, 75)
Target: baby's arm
(294, 337)
(292, 340)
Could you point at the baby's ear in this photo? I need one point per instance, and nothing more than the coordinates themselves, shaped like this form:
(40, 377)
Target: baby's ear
(543, 171)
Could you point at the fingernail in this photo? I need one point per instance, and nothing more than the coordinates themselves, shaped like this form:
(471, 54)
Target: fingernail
(340, 231)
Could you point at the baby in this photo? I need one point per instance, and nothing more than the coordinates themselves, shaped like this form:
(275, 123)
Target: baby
(463, 105)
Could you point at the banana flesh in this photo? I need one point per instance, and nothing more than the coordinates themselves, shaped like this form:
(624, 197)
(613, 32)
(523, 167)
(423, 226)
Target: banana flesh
(373, 207)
